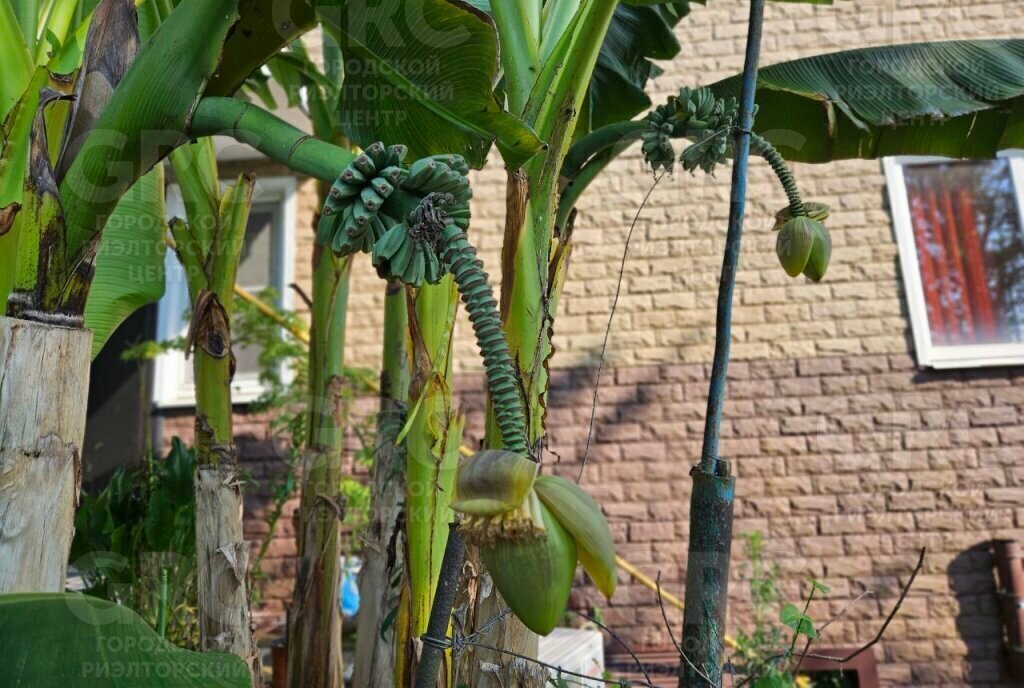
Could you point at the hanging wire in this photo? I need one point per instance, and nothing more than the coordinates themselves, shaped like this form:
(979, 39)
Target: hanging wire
(611, 316)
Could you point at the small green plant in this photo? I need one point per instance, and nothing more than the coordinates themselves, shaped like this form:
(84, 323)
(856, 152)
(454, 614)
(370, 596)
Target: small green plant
(139, 527)
(766, 651)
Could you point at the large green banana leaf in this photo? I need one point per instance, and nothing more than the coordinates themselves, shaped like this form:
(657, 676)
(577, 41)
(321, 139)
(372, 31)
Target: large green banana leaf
(65, 640)
(429, 85)
(264, 27)
(637, 34)
(130, 261)
(15, 60)
(961, 99)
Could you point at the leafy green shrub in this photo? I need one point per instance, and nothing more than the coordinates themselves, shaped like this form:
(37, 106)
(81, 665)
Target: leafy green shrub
(139, 526)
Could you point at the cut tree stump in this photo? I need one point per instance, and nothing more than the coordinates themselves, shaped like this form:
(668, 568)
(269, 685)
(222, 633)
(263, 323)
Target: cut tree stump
(44, 394)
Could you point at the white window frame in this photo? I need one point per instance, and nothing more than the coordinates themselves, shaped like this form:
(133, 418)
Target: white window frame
(170, 389)
(928, 354)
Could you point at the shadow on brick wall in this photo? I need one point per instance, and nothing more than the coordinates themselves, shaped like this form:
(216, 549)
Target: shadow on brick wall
(973, 586)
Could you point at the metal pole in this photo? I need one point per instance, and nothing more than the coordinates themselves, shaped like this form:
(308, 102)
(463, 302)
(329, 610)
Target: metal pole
(711, 503)
(435, 639)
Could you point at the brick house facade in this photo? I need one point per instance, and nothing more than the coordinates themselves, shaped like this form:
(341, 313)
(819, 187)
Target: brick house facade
(850, 456)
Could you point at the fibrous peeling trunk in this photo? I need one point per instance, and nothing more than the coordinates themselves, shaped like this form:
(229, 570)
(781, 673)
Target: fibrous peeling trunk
(382, 574)
(478, 667)
(222, 556)
(432, 446)
(44, 386)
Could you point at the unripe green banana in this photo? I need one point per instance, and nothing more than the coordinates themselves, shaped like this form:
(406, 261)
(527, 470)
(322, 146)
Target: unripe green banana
(582, 517)
(794, 243)
(371, 199)
(388, 245)
(377, 154)
(531, 530)
(400, 261)
(432, 271)
(821, 252)
(417, 266)
(420, 171)
(535, 575)
(352, 176)
(364, 165)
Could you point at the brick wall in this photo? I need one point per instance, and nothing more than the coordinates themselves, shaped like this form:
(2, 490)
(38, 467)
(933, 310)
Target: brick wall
(848, 465)
(849, 458)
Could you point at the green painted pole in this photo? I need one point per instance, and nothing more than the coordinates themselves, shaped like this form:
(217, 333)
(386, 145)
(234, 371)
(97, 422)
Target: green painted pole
(714, 489)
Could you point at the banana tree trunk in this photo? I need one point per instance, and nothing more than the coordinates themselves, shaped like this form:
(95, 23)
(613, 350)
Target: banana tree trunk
(383, 574)
(314, 633)
(44, 387)
(434, 435)
(222, 554)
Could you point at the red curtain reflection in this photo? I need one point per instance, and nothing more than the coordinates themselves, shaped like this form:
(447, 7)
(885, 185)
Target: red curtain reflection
(952, 262)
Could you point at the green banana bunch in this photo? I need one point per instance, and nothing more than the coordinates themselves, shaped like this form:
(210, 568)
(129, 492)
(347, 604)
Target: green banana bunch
(409, 249)
(354, 216)
(804, 244)
(695, 112)
(531, 531)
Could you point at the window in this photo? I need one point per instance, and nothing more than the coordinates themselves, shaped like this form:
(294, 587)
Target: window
(960, 230)
(268, 259)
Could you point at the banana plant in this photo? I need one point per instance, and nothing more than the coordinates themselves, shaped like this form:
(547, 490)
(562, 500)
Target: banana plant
(814, 101)
(73, 225)
(209, 246)
(314, 631)
(45, 350)
(551, 101)
(574, 72)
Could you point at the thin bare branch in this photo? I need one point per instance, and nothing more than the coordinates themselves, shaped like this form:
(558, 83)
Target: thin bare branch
(619, 640)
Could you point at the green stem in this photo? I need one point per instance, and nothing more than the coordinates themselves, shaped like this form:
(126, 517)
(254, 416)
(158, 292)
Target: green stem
(212, 368)
(518, 49)
(558, 19)
(594, 143)
(589, 156)
(578, 183)
(271, 136)
(761, 146)
(476, 293)
(432, 447)
(564, 76)
(383, 571)
(314, 657)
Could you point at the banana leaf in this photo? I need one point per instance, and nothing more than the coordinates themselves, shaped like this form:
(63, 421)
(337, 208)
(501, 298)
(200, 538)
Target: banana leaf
(427, 85)
(61, 640)
(130, 261)
(961, 99)
(184, 52)
(15, 60)
(637, 34)
(640, 31)
(264, 27)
